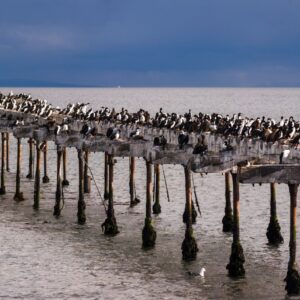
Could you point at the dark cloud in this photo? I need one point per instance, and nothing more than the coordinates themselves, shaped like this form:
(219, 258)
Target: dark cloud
(139, 42)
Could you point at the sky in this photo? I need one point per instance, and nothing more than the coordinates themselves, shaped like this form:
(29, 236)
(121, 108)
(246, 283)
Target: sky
(141, 43)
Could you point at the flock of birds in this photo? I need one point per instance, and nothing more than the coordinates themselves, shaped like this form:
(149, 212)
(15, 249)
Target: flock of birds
(285, 131)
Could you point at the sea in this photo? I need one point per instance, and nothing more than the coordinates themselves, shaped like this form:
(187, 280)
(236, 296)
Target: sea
(42, 257)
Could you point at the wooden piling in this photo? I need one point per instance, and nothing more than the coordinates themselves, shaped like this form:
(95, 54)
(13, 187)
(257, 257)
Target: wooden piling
(7, 152)
(81, 218)
(45, 153)
(106, 184)
(156, 206)
(133, 199)
(149, 234)
(2, 188)
(292, 278)
(18, 195)
(273, 232)
(109, 226)
(58, 194)
(37, 183)
(228, 218)
(30, 159)
(87, 179)
(65, 181)
(189, 245)
(235, 266)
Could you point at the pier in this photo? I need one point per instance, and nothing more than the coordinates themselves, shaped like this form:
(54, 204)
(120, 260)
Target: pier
(246, 161)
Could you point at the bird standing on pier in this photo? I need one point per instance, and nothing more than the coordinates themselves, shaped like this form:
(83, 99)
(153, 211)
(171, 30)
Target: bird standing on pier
(284, 154)
(183, 139)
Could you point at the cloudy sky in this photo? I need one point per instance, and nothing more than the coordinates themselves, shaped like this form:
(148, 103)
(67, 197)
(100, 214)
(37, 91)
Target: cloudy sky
(150, 42)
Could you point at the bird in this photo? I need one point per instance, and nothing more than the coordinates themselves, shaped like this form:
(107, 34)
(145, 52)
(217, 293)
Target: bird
(183, 139)
(135, 133)
(160, 141)
(113, 133)
(200, 147)
(201, 273)
(284, 154)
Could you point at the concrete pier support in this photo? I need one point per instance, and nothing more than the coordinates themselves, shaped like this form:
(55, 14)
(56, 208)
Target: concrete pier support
(106, 184)
(133, 199)
(45, 152)
(18, 195)
(81, 218)
(7, 152)
(87, 178)
(65, 181)
(189, 245)
(37, 183)
(235, 266)
(273, 232)
(149, 234)
(30, 158)
(228, 218)
(292, 278)
(2, 188)
(156, 206)
(58, 194)
(109, 226)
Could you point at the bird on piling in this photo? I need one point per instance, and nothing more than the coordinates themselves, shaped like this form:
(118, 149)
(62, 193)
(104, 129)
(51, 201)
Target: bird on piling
(183, 139)
(113, 133)
(135, 133)
(201, 146)
(160, 141)
(284, 154)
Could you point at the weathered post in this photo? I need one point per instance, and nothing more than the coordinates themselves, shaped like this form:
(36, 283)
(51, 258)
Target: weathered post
(87, 179)
(273, 232)
(45, 152)
(30, 159)
(156, 206)
(37, 184)
(235, 266)
(133, 199)
(58, 194)
(106, 184)
(292, 278)
(227, 219)
(65, 181)
(2, 188)
(149, 234)
(81, 218)
(185, 214)
(109, 226)
(18, 195)
(189, 245)
(7, 152)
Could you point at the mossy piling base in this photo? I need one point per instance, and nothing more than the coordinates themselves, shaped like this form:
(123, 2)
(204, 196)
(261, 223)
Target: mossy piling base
(236, 263)
(273, 232)
(148, 234)
(109, 226)
(189, 246)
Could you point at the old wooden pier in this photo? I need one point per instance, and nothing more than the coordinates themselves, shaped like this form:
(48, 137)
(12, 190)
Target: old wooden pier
(250, 161)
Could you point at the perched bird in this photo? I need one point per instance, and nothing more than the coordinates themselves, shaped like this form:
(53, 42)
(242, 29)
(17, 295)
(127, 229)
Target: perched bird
(200, 147)
(160, 141)
(284, 154)
(183, 139)
(135, 133)
(113, 133)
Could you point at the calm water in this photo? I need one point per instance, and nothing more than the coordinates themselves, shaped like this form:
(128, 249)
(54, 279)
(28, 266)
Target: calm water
(45, 258)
